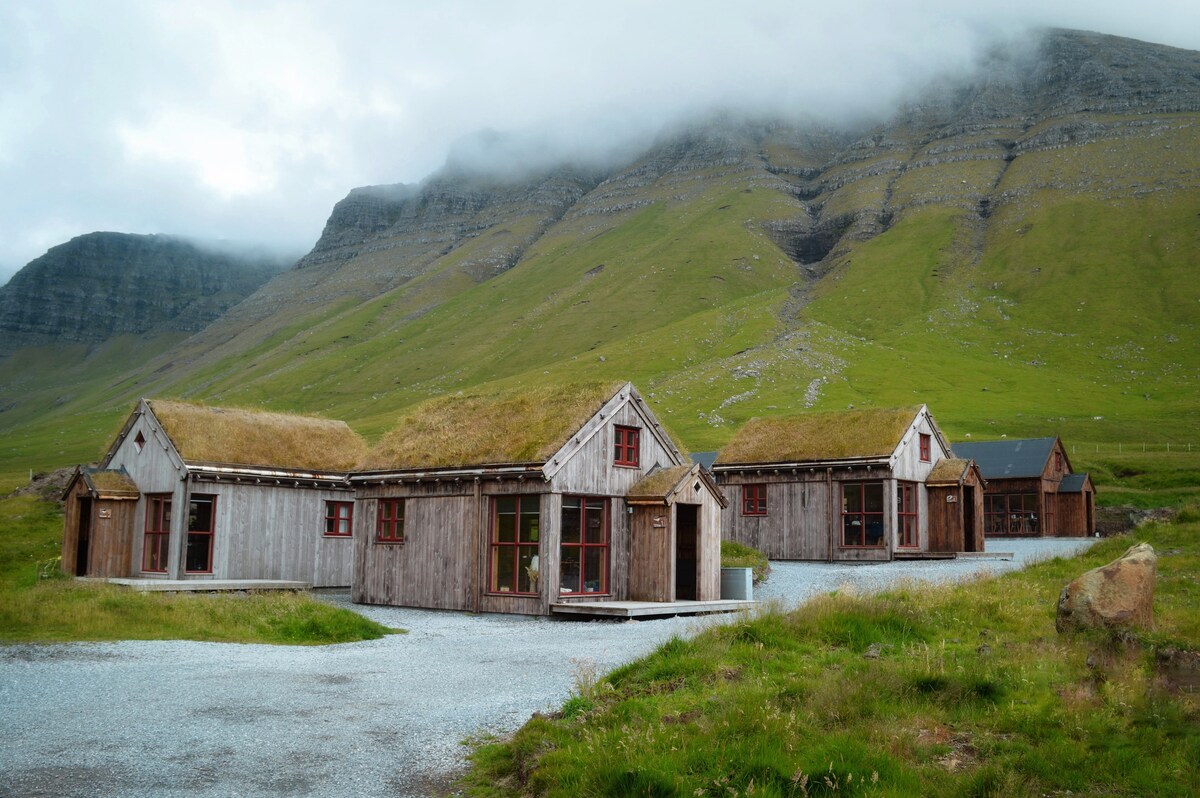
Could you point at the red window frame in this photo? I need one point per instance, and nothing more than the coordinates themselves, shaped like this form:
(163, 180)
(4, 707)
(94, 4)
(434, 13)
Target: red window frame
(591, 508)
(521, 552)
(339, 519)
(754, 499)
(200, 536)
(908, 515)
(157, 534)
(860, 520)
(626, 446)
(389, 526)
(926, 446)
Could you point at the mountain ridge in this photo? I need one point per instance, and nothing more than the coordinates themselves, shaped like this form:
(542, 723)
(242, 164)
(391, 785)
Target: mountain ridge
(754, 265)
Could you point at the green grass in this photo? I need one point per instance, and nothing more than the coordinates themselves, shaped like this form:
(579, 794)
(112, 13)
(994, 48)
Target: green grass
(739, 555)
(972, 692)
(59, 609)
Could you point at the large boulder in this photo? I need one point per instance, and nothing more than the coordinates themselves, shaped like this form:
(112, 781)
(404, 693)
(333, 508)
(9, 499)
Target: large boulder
(1119, 595)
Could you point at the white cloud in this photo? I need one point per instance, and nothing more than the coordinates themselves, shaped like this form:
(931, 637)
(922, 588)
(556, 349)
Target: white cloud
(248, 120)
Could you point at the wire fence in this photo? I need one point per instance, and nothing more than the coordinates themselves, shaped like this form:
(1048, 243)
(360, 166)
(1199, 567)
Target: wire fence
(1133, 448)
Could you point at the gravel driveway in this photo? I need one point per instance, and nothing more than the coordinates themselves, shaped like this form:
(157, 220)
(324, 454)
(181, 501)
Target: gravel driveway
(379, 718)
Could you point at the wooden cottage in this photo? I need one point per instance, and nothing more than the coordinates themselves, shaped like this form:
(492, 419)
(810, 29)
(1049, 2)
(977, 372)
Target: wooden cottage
(955, 491)
(534, 502)
(1025, 495)
(844, 486)
(266, 497)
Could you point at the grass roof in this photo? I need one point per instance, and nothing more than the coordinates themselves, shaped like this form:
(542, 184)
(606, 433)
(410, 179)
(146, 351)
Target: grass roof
(657, 484)
(112, 482)
(260, 438)
(949, 470)
(517, 426)
(818, 436)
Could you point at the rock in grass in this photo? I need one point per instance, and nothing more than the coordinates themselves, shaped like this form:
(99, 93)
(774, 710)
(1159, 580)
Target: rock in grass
(1116, 596)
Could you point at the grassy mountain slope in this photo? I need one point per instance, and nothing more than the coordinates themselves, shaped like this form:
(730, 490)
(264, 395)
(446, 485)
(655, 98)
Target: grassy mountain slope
(1025, 265)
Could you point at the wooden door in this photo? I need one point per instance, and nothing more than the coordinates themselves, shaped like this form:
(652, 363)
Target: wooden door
(686, 528)
(84, 539)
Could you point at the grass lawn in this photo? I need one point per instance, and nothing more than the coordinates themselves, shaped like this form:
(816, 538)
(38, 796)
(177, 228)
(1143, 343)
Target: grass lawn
(963, 690)
(59, 609)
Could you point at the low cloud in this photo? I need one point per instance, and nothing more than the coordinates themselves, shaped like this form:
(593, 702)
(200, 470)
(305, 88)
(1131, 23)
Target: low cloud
(225, 120)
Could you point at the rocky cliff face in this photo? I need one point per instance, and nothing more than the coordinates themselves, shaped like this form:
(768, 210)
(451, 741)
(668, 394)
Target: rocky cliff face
(103, 284)
(1068, 88)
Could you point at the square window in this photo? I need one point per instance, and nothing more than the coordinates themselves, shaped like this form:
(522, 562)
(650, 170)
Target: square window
(339, 519)
(754, 500)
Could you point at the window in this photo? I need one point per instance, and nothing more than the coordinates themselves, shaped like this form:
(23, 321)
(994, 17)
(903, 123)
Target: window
(584, 565)
(862, 514)
(390, 528)
(514, 544)
(625, 448)
(158, 534)
(907, 514)
(139, 442)
(339, 517)
(1058, 461)
(201, 514)
(1011, 514)
(754, 499)
(926, 448)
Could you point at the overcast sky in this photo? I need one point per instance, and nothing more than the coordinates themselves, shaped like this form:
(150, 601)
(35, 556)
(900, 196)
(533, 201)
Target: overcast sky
(247, 121)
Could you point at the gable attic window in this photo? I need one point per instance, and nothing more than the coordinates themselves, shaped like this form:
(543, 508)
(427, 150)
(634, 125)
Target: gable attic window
(139, 442)
(625, 446)
(926, 447)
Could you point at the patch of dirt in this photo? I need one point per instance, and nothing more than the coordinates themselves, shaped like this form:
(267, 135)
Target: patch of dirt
(962, 753)
(47, 485)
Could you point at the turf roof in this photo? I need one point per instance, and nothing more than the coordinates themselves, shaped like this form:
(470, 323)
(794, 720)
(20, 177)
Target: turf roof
(112, 482)
(657, 484)
(517, 426)
(948, 470)
(259, 438)
(818, 436)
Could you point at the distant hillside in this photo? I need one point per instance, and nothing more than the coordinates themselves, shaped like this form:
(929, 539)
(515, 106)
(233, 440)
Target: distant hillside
(99, 285)
(1018, 248)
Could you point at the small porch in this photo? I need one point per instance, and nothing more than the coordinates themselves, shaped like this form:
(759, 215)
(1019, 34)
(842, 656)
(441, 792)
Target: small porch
(643, 609)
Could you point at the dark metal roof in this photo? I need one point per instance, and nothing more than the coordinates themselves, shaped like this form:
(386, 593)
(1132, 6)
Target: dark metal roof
(1072, 483)
(705, 459)
(1008, 459)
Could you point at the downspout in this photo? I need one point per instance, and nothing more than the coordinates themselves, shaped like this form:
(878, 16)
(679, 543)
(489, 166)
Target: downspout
(832, 515)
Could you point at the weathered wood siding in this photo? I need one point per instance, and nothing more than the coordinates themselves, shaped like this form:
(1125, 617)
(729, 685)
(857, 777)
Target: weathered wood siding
(274, 532)
(71, 516)
(804, 513)
(909, 467)
(946, 518)
(652, 553)
(111, 534)
(589, 471)
(1077, 513)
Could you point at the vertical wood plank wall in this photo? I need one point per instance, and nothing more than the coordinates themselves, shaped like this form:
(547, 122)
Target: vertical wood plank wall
(652, 560)
(274, 532)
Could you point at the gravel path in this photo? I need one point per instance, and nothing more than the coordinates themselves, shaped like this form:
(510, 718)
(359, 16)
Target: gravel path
(379, 718)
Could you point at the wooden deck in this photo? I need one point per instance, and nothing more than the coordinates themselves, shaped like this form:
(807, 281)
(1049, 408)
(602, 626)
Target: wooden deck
(202, 585)
(642, 609)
